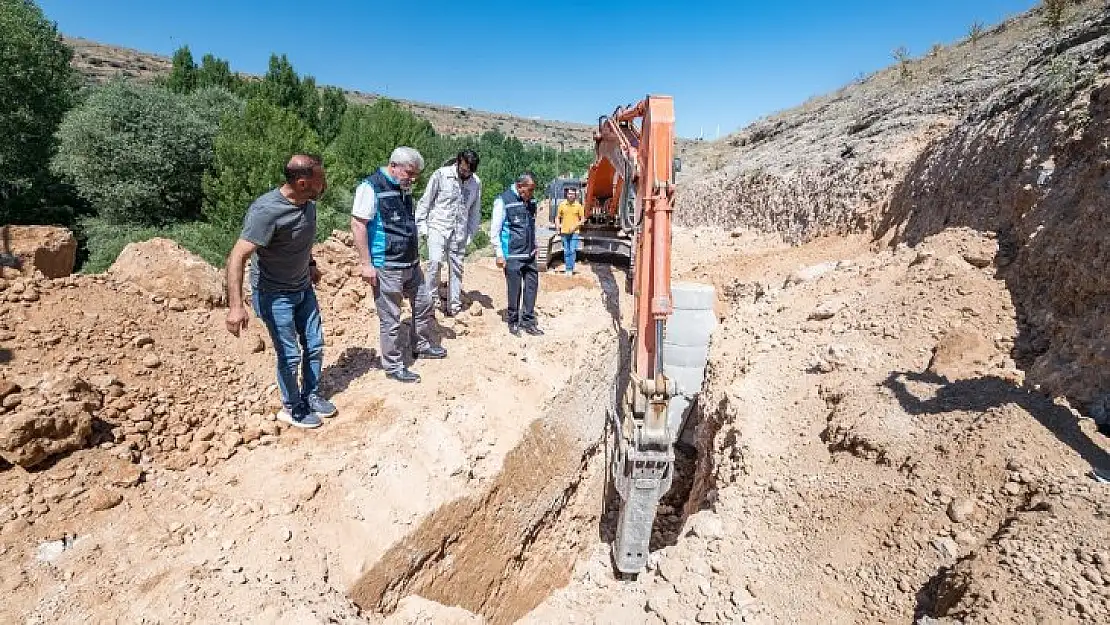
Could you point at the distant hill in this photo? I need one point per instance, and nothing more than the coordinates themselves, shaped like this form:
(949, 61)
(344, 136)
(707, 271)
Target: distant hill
(99, 62)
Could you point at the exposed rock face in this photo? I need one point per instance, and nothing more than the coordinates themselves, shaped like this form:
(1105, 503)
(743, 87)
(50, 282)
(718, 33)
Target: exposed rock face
(1052, 144)
(162, 267)
(52, 251)
(1008, 135)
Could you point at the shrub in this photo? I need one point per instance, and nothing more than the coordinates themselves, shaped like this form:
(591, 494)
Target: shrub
(37, 87)
(105, 240)
(250, 152)
(216, 103)
(137, 153)
(975, 33)
(1055, 13)
(902, 55)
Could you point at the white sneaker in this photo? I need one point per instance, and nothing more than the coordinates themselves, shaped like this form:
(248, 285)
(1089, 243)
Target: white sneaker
(307, 421)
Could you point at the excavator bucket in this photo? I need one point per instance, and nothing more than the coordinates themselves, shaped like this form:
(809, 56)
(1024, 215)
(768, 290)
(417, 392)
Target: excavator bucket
(643, 471)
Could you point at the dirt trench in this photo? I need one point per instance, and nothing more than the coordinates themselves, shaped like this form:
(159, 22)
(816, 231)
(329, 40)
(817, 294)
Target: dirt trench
(502, 553)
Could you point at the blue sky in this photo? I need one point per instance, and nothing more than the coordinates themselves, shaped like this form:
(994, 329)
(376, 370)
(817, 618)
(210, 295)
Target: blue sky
(726, 63)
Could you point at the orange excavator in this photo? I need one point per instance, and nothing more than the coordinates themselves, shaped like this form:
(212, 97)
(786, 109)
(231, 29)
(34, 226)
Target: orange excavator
(630, 187)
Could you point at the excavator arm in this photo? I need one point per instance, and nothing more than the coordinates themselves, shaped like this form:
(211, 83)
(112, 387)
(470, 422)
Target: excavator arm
(631, 183)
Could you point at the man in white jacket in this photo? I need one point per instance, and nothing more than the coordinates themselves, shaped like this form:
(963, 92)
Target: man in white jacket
(449, 214)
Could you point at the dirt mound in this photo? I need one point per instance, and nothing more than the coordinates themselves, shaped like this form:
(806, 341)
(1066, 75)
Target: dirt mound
(1049, 214)
(164, 269)
(840, 474)
(51, 251)
(55, 417)
(991, 583)
(868, 424)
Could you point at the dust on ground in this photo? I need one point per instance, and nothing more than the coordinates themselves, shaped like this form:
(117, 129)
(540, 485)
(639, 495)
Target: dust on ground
(194, 503)
(868, 452)
(871, 452)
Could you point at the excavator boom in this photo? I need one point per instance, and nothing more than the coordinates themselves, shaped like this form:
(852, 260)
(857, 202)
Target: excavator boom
(631, 184)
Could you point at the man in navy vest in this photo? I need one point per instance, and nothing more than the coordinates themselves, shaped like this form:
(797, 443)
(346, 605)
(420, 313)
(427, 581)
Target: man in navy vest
(513, 235)
(383, 222)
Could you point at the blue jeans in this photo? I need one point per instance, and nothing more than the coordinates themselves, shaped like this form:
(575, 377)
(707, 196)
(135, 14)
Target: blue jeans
(293, 320)
(570, 249)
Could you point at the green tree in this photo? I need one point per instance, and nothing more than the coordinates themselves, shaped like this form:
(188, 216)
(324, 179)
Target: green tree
(250, 153)
(215, 72)
(37, 87)
(333, 104)
(137, 153)
(281, 86)
(368, 135)
(183, 76)
(309, 106)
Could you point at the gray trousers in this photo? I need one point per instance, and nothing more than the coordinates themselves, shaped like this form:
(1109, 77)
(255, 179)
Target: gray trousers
(448, 249)
(395, 285)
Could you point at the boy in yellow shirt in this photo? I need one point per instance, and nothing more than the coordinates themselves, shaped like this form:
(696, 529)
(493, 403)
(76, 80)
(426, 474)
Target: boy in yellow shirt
(569, 220)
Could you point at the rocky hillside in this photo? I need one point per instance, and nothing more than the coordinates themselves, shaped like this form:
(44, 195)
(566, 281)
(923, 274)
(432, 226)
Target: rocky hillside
(1007, 133)
(99, 62)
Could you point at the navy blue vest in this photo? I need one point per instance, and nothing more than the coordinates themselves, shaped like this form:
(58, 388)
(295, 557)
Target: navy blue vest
(397, 222)
(518, 231)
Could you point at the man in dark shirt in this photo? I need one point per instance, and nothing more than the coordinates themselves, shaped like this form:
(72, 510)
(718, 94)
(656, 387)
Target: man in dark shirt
(278, 233)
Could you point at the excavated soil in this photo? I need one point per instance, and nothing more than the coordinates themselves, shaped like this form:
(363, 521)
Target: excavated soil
(870, 453)
(867, 451)
(191, 501)
(886, 435)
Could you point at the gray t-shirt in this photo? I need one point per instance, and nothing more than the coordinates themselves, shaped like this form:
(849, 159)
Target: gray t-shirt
(284, 233)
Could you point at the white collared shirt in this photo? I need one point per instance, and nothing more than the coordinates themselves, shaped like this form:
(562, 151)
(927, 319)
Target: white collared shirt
(450, 205)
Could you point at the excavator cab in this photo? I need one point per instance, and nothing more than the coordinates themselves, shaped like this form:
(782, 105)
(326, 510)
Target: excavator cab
(557, 193)
(601, 237)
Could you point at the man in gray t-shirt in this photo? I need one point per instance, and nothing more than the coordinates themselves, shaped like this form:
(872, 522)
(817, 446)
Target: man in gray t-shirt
(278, 232)
(284, 233)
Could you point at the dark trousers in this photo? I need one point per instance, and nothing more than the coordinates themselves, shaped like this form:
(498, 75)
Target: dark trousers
(522, 273)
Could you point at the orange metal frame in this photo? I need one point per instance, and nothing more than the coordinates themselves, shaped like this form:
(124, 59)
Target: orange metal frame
(637, 142)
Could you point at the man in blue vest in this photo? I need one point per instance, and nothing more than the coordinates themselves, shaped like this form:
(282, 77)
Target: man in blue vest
(383, 222)
(513, 233)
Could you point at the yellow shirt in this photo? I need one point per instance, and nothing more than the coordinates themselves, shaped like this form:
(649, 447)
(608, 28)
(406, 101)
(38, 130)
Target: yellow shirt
(571, 215)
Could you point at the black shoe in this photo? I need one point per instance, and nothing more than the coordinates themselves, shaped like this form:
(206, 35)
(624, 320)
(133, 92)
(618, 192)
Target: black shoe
(514, 329)
(431, 353)
(533, 330)
(1104, 429)
(403, 375)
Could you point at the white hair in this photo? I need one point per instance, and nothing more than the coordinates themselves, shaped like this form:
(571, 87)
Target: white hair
(405, 155)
